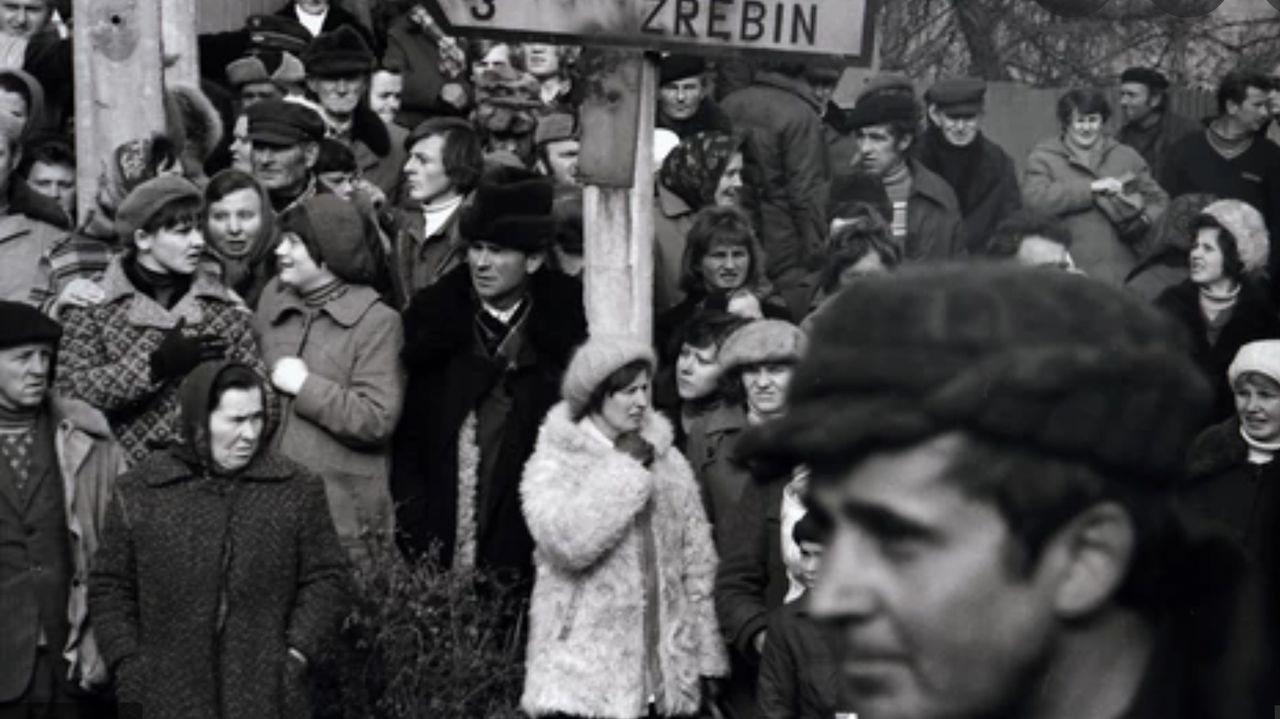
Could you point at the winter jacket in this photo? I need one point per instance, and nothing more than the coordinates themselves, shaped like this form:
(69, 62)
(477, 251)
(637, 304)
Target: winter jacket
(204, 583)
(105, 354)
(25, 247)
(934, 226)
(419, 262)
(1253, 318)
(88, 461)
(448, 378)
(799, 675)
(983, 178)
(340, 423)
(712, 440)
(781, 118)
(1057, 183)
(601, 521)
(1156, 143)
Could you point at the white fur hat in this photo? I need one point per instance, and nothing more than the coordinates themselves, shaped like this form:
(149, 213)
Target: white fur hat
(1262, 357)
(595, 360)
(1246, 225)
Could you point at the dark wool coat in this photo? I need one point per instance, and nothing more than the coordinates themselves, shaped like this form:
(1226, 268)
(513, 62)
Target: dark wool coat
(799, 675)
(1155, 144)
(203, 584)
(984, 180)
(447, 380)
(1254, 318)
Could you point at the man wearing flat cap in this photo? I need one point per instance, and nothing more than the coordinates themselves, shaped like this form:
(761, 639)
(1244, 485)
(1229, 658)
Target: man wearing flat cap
(286, 144)
(556, 142)
(980, 172)
(1150, 126)
(685, 105)
(58, 462)
(925, 219)
(999, 456)
(266, 75)
(484, 348)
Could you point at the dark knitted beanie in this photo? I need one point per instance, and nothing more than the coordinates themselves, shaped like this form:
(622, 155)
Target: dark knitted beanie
(1049, 360)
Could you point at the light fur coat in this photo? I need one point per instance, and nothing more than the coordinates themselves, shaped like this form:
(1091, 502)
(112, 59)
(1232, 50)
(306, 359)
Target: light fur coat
(586, 654)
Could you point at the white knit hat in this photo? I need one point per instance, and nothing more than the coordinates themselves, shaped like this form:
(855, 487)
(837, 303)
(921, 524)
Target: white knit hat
(1246, 225)
(593, 362)
(1262, 357)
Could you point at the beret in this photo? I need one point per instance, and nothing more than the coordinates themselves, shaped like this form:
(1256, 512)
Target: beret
(276, 32)
(265, 67)
(556, 126)
(958, 96)
(883, 108)
(1145, 76)
(341, 52)
(676, 66)
(1051, 361)
(145, 200)
(283, 123)
(516, 215)
(22, 324)
(593, 362)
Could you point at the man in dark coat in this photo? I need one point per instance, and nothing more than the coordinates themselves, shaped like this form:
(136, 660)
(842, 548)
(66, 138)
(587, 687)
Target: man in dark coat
(220, 579)
(979, 171)
(1150, 126)
(1001, 474)
(484, 348)
(685, 104)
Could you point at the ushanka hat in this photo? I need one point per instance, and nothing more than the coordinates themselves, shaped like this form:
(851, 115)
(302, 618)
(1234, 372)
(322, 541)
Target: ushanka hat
(22, 324)
(1056, 362)
(516, 215)
(338, 53)
(1246, 226)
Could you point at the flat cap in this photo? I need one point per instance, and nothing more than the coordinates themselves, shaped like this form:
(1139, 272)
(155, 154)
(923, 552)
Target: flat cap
(145, 200)
(270, 66)
(1153, 79)
(338, 53)
(890, 82)
(555, 127)
(283, 123)
(961, 96)
(276, 32)
(883, 108)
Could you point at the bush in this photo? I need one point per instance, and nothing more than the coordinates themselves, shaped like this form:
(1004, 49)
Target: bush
(424, 641)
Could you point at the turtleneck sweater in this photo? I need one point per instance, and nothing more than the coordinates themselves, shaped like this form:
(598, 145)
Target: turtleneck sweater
(1217, 309)
(1259, 452)
(897, 185)
(318, 297)
(163, 287)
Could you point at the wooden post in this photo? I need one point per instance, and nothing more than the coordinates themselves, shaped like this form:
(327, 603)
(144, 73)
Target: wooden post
(118, 83)
(182, 60)
(616, 165)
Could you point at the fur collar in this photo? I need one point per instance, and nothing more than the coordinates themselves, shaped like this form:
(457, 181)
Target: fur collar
(146, 312)
(563, 431)
(1217, 449)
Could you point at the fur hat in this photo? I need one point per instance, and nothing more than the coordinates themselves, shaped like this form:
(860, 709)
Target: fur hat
(516, 215)
(337, 53)
(22, 324)
(1262, 357)
(336, 235)
(677, 66)
(146, 200)
(762, 341)
(1053, 361)
(883, 108)
(1247, 227)
(191, 120)
(593, 362)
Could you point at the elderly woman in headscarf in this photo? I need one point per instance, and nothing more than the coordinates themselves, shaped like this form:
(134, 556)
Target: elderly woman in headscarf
(703, 170)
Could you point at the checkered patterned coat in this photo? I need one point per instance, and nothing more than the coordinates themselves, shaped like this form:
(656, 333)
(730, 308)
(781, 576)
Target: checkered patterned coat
(105, 355)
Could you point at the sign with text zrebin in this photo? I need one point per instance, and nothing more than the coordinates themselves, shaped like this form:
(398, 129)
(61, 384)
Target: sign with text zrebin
(808, 27)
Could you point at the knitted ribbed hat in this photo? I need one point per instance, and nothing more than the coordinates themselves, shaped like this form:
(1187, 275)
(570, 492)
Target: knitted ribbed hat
(1247, 227)
(762, 341)
(1262, 357)
(593, 362)
(336, 235)
(1054, 361)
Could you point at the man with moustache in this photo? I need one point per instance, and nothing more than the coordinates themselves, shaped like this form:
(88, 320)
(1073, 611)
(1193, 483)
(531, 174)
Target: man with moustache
(485, 347)
(979, 171)
(286, 144)
(1150, 126)
(1001, 473)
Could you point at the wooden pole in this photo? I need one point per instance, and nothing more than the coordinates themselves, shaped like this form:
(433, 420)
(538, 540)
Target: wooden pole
(182, 60)
(616, 165)
(118, 83)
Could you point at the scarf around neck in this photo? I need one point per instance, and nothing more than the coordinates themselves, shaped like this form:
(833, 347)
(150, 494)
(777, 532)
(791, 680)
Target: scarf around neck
(1259, 452)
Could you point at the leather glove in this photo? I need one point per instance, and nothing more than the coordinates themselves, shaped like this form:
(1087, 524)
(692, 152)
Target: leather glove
(636, 446)
(178, 354)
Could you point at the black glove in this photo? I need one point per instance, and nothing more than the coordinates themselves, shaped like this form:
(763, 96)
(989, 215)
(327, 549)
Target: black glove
(178, 354)
(638, 447)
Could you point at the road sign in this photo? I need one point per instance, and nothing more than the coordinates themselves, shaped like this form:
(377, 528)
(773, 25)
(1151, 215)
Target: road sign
(806, 27)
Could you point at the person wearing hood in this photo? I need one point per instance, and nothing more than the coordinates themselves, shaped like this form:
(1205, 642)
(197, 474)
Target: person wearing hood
(334, 352)
(1223, 303)
(159, 315)
(220, 579)
(239, 227)
(979, 171)
(622, 622)
(1233, 479)
(1102, 189)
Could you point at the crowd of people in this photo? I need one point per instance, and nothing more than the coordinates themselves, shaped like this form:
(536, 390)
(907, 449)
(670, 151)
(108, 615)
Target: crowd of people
(918, 434)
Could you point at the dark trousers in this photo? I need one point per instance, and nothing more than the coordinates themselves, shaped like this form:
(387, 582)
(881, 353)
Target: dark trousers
(48, 696)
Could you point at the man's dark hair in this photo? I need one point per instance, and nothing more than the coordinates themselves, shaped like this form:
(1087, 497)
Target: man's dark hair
(1232, 265)
(617, 380)
(462, 152)
(1235, 87)
(858, 237)
(1084, 101)
(706, 329)
(815, 527)
(180, 214)
(54, 152)
(1024, 223)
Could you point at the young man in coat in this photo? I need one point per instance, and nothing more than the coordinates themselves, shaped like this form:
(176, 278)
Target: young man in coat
(58, 462)
(979, 171)
(484, 349)
(1001, 477)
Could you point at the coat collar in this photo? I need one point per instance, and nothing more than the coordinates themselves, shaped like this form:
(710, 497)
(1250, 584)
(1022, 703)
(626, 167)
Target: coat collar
(145, 311)
(670, 204)
(165, 468)
(74, 413)
(1058, 146)
(1217, 449)
(726, 418)
(560, 428)
(927, 184)
(346, 310)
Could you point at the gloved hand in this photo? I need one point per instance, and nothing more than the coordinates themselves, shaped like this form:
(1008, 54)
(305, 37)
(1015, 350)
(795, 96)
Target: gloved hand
(288, 375)
(178, 354)
(638, 447)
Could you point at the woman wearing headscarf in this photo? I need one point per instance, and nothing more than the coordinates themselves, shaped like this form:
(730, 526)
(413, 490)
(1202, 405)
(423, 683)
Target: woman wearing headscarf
(219, 579)
(621, 623)
(239, 226)
(1224, 304)
(333, 350)
(703, 170)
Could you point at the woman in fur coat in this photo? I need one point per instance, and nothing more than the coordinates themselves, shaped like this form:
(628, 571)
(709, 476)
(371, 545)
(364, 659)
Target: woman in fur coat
(622, 622)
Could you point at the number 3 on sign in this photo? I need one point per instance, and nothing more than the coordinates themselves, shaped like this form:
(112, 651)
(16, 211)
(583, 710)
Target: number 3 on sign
(483, 9)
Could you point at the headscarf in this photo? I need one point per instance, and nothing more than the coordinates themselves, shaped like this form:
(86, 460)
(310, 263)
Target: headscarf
(196, 403)
(692, 171)
(248, 273)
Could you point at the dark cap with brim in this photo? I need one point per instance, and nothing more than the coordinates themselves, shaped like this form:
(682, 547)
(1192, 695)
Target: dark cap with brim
(961, 96)
(281, 123)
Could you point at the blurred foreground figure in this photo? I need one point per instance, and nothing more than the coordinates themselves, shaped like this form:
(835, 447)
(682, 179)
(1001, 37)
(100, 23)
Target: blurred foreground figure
(1000, 470)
